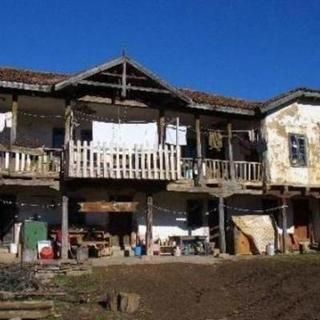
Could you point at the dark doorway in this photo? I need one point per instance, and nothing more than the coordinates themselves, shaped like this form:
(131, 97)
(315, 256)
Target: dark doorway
(76, 218)
(301, 218)
(8, 213)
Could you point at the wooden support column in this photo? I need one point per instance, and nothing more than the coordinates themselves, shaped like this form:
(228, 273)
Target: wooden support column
(14, 110)
(222, 234)
(284, 204)
(199, 148)
(68, 134)
(65, 228)
(124, 80)
(149, 224)
(162, 123)
(230, 151)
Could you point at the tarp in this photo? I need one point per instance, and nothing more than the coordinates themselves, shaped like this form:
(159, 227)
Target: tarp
(259, 228)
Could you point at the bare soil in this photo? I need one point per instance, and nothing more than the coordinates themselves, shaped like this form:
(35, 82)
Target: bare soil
(258, 288)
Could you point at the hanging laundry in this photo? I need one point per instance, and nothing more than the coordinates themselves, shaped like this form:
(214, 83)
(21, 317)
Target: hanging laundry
(126, 134)
(2, 121)
(215, 140)
(8, 119)
(171, 135)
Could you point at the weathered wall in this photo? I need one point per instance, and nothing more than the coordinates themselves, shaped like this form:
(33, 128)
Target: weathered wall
(299, 119)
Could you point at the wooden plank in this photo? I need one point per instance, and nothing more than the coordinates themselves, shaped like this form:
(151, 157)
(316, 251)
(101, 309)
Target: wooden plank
(178, 162)
(160, 155)
(284, 225)
(149, 224)
(14, 124)
(143, 163)
(91, 159)
(155, 165)
(104, 206)
(71, 158)
(7, 160)
(166, 161)
(78, 162)
(25, 314)
(172, 167)
(17, 162)
(85, 160)
(25, 305)
(112, 173)
(199, 148)
(130, 163)
(149, 173)
(230, 151)
(222, 235)
(65, 228)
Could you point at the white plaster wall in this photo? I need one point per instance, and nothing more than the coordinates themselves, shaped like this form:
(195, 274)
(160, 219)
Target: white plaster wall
(300, 119)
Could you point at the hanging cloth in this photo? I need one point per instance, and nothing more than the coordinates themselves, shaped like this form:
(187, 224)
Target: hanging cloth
(2, 121)
(215, 140)
(171, 135)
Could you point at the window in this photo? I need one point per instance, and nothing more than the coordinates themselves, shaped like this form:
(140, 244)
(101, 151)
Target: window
(194, 213)
(58, 137)
(298, 150)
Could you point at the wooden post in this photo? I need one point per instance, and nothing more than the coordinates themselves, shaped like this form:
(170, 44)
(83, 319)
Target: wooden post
(149, 224)
(222, 235)
(65, 228)
(124, 80)
(199, 149)
(68, 134)
(230, 149)
(284, 224)
(14, 110)
(162, 123)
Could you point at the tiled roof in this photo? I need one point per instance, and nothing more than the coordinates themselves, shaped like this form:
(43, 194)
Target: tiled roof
(30, 77)
(217, 100)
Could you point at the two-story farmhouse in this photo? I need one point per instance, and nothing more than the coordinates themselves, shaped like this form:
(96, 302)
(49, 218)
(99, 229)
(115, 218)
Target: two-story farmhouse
(117, 148)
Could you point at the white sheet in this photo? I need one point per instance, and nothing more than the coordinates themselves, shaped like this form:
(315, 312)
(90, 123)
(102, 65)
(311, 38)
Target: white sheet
(126, 134)
(171, 135)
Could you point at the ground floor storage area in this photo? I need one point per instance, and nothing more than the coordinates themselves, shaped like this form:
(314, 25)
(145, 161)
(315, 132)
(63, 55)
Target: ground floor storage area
(127, 221)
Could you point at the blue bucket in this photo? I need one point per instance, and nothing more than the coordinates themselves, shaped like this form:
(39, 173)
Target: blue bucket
(137, 251)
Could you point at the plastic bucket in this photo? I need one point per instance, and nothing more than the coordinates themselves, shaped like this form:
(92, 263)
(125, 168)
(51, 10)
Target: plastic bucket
(13, 248)
(137, 251)
(270, 249)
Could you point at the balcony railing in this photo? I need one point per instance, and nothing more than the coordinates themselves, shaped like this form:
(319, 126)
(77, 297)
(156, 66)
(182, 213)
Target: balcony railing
(244, 171)
(30, 163)
(102, 161)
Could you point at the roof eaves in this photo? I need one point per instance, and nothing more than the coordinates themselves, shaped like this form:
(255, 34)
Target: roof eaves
(25, 86)
(222, 109)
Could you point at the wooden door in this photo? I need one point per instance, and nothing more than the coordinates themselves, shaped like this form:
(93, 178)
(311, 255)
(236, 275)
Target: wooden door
(301, 216)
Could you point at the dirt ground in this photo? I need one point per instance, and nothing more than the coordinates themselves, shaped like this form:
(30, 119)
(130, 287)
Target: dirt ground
(259, 288)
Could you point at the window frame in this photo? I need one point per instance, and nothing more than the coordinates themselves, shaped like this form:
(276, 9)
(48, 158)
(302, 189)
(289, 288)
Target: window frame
(299, 162)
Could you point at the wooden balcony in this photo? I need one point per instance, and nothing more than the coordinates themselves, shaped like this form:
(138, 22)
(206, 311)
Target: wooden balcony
(89, 160)
(221, 170)
(18, 162)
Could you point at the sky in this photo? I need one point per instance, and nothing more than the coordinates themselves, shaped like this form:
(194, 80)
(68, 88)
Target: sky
(250, 49)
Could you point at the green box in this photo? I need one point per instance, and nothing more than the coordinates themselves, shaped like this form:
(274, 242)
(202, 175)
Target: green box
(34, 231)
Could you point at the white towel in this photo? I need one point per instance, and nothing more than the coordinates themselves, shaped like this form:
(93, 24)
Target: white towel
(171, 135)
(8, 117)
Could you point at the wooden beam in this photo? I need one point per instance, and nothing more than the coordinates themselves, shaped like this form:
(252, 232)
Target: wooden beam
(124, 79)
(162, 123)
(199, 148)
(68, 134)
(104, 206)
(149, 224)
(222, 234)
(65, 228)
(14, 110)
(116, 75)
(230, 151)
(284, 224)
(119, 86)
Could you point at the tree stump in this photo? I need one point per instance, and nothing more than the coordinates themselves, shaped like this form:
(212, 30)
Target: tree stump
(128, 302)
